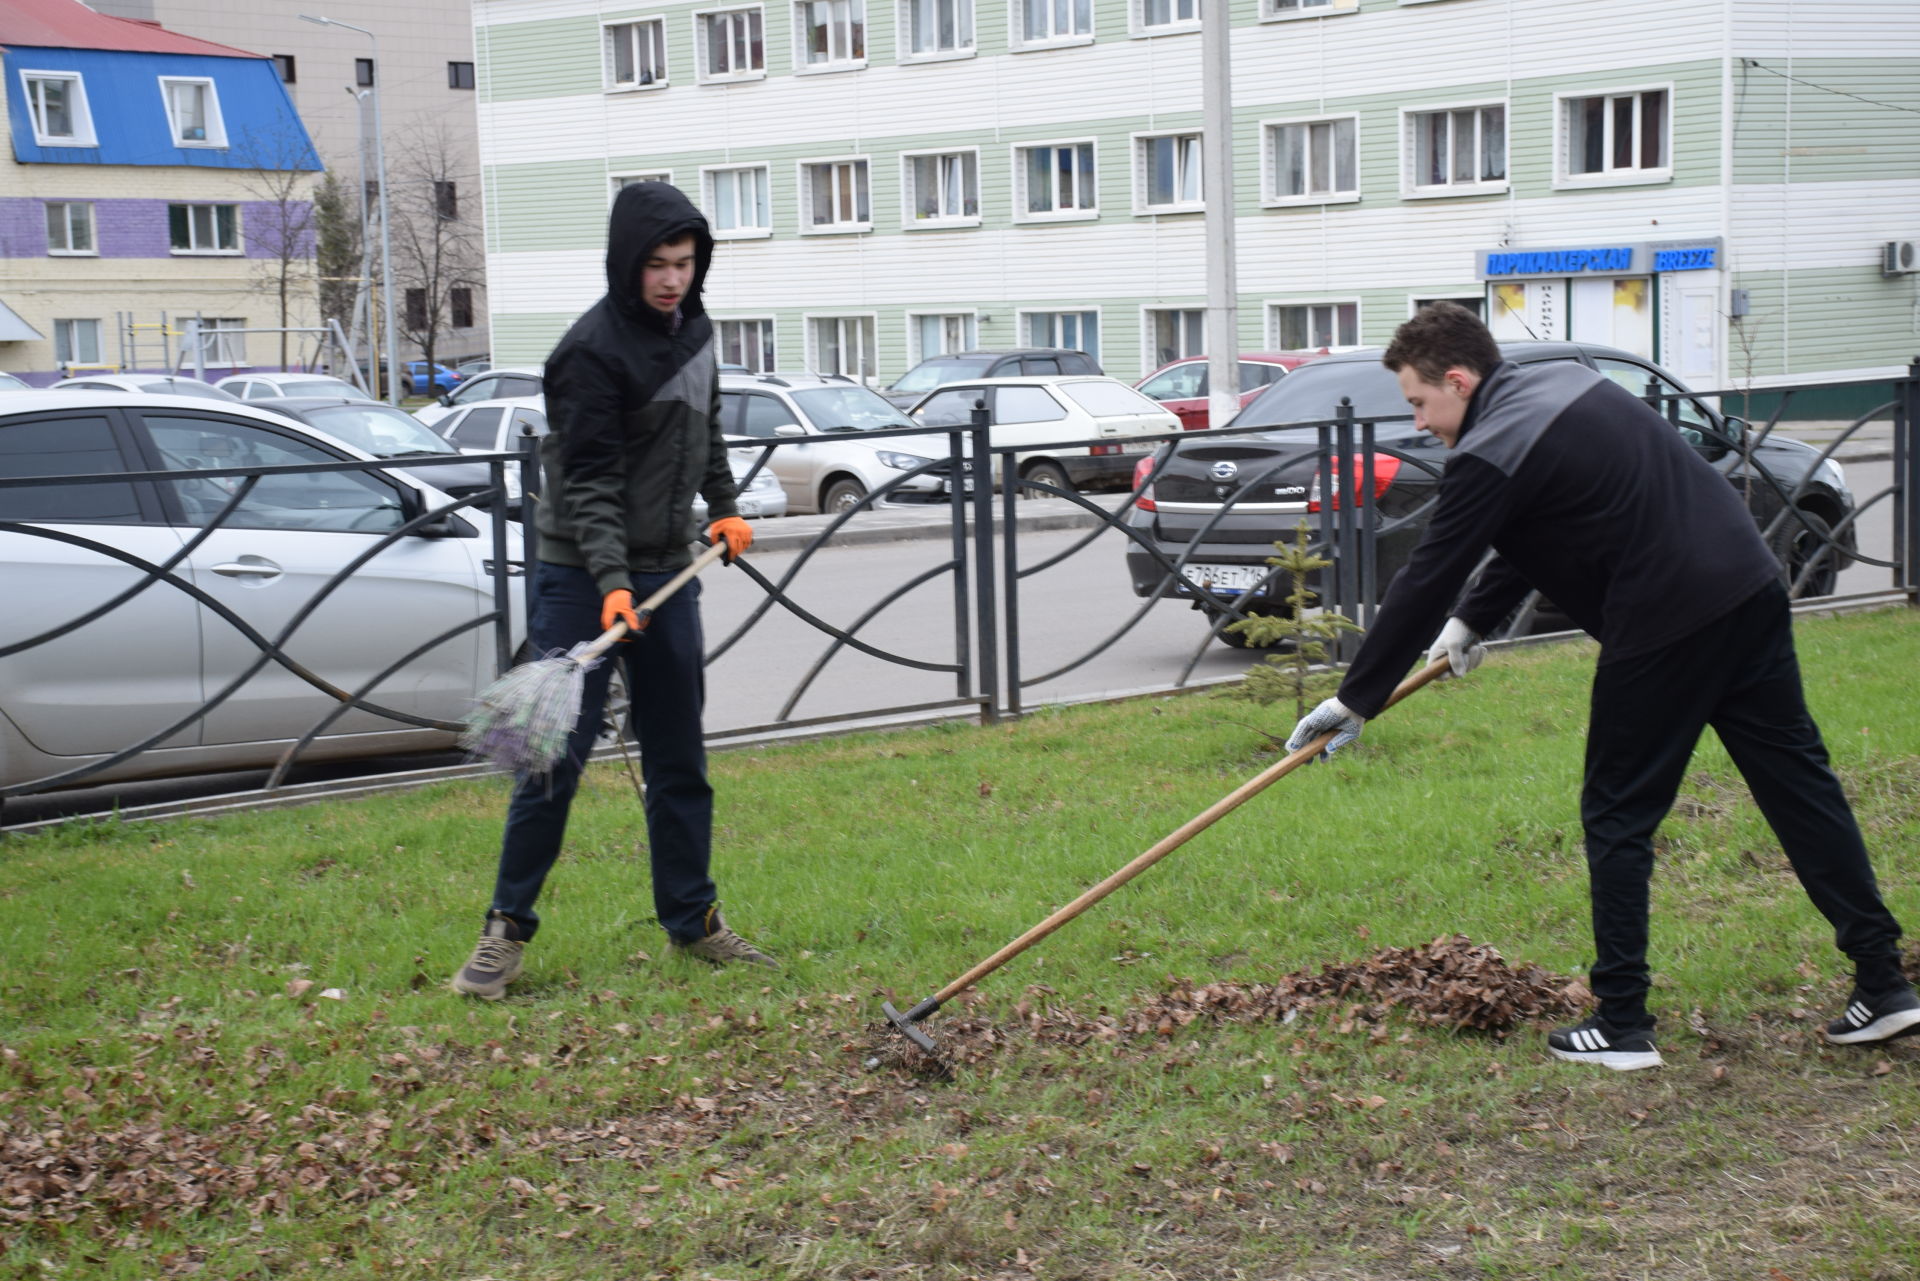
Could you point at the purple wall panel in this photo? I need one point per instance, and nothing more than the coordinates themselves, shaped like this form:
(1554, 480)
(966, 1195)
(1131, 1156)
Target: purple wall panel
(135, 228)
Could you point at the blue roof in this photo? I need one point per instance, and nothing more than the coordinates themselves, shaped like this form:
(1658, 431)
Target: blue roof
(130, 122)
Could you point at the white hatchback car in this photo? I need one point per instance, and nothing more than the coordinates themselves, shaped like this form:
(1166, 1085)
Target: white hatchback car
(1045, 413)
(519, 384)
(88, 691)
(146, 384)
(834, 469)
(270, 386)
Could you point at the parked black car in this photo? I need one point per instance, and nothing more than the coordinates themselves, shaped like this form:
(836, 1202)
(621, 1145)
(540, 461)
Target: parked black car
(387, 432)
(1267, 478)
(1006, 362)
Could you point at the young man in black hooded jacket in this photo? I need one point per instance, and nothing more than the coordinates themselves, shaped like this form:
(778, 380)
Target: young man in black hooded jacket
(633, 409)
(1589, 495)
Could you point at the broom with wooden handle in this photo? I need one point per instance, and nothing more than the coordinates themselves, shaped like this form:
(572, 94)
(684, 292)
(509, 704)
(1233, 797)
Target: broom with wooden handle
(523, 720)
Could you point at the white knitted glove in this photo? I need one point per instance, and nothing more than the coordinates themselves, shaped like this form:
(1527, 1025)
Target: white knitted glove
(1330, 715)
(1461, 647)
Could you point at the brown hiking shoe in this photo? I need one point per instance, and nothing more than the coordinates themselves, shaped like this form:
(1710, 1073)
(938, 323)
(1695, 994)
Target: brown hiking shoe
(721, 946)
(495, 961)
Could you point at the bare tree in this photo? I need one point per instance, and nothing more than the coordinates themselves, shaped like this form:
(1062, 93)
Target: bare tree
(436, 241)
(280, 227)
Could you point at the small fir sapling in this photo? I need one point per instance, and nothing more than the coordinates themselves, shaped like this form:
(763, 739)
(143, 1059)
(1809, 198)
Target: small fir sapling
(1302, 637)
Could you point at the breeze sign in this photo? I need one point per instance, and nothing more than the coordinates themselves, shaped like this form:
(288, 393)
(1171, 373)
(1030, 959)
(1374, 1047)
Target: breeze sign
(1600, 260)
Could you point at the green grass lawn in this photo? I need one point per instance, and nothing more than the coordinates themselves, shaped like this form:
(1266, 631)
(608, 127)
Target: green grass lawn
(227, 1048)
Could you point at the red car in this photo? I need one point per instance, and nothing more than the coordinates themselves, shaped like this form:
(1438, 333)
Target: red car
(1182, 385)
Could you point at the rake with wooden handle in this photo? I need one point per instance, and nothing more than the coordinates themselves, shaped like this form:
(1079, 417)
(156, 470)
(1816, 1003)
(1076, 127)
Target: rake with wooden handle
(905, 1022)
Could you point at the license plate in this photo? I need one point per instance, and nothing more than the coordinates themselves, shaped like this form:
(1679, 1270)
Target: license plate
(946, 486)
(1227, 578)
(749, 507)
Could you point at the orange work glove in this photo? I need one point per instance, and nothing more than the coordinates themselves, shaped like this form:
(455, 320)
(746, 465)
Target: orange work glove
(737, 532)
(617, 606)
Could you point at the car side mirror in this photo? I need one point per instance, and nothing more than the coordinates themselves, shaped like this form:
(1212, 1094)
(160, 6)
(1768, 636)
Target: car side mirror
(445, 398)
(789, 429)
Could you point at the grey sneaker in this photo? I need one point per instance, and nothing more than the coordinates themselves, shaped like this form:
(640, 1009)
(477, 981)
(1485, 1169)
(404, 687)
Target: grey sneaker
(495, 961)
(721, 946)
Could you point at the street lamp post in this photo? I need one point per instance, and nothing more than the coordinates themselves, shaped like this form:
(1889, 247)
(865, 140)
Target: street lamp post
(1216, 176)
(386, 241)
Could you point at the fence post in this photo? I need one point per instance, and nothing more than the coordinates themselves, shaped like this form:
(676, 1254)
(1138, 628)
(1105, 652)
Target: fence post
(530, 481)
(986, 616)
(957, 500)
(502, 600)
(1346, 551)
(1906, 474)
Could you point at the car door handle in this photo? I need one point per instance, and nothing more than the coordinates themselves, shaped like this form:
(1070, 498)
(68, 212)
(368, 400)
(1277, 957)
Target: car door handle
(249, 569)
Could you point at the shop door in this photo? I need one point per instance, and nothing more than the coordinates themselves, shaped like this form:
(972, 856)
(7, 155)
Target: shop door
(1617, 312)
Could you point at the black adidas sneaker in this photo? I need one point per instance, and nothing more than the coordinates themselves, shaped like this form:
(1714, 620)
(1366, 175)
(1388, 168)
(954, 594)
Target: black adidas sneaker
(1876, 1018)
(1597, 1041)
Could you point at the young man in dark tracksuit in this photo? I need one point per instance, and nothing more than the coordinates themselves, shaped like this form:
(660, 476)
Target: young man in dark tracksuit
(1592, 497)
(632, 400)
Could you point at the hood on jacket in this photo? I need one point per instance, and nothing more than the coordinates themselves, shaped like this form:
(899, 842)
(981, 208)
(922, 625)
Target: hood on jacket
(647, 214)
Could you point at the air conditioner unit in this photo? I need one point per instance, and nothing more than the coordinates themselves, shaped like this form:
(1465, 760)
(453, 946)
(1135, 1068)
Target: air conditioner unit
(1899, 257)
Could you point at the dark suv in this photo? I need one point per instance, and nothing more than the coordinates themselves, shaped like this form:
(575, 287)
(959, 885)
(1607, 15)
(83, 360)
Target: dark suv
(1268, 479)
(964, 366)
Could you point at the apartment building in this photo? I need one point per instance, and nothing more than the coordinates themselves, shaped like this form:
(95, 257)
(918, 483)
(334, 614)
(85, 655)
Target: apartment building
(419, 57)
(153, 200)
(1713, 183)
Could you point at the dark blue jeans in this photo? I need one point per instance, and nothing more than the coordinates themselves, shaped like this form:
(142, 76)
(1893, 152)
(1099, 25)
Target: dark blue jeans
(666, 682)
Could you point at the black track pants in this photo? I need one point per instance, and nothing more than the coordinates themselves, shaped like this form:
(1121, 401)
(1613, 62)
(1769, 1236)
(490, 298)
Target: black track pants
(1739, 675)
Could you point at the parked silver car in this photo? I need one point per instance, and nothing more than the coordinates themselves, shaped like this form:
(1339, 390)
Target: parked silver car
(834, 469)
(88, 691)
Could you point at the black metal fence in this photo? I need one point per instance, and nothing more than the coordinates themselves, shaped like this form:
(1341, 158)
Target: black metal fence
(976, 641)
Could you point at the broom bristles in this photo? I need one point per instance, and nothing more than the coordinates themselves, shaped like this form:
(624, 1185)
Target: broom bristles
(523, 720)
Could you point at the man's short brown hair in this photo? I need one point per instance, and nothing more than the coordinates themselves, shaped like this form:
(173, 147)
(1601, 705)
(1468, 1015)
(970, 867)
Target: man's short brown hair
(1442, 336)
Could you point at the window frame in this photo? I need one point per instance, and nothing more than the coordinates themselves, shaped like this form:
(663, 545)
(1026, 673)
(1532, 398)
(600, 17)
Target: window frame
(194, 251)
(364, 73)
(1460, 296)
(770, 350)
(617, 181)
(1149, 357)
(1270, 197)
(287, 67)
(809, 351)
(1270, 320)
(1023, 327)
(217, 351)
(607, 63)
(1018, 42)
(216, 124)
(70, 362)
(702, 64)
(454, 75)
(1271, 12)
(906, 55)
(807, 226)
(93, 229)
(914, 353)
(1140, 29)
(83, 134)
(708, 176)
(1019, 183)
(909, 193)
(455, 305)
(1411, 188)
(1563, 176)
(1142, 172)
(802, 66)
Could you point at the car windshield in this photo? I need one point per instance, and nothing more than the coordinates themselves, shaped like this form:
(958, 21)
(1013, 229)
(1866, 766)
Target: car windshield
(378, 429)
(187, 387)
(1311, 393)
(849, 409)
(323, 387)
(929, 374)
(1105, 400)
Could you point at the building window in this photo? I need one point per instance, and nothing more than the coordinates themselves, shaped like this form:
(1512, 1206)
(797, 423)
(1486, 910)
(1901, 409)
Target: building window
(1617, 134)
(733, 44)
(76, 342)
(416, 310)
(832, 32)
(372, 186)
(1168, 13)
(1458, 147)
(460, 303)
(219, 345)
(204, 229)
(283, 66)
(1068, 330)
(941, 335)
(70, 228)
(1050, 21)
(459, 75)
(1168, 172)
(1313, 160)
(942, 188)
(1056, 181)
(1176, 334)
(193, 112)
(1475, 303)
(446, 200)
(748, 343)
(636, 54)
(737, 200)
(837, 195)
(841, 345)
(937, 26)
(1311, 326)
(363, 72)
(1290, 8)
(623, 180)
(57, 103)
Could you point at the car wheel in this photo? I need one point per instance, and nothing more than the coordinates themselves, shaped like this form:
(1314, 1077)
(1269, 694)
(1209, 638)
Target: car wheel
(1798, 544)
(842, 495)
(1045, 473)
